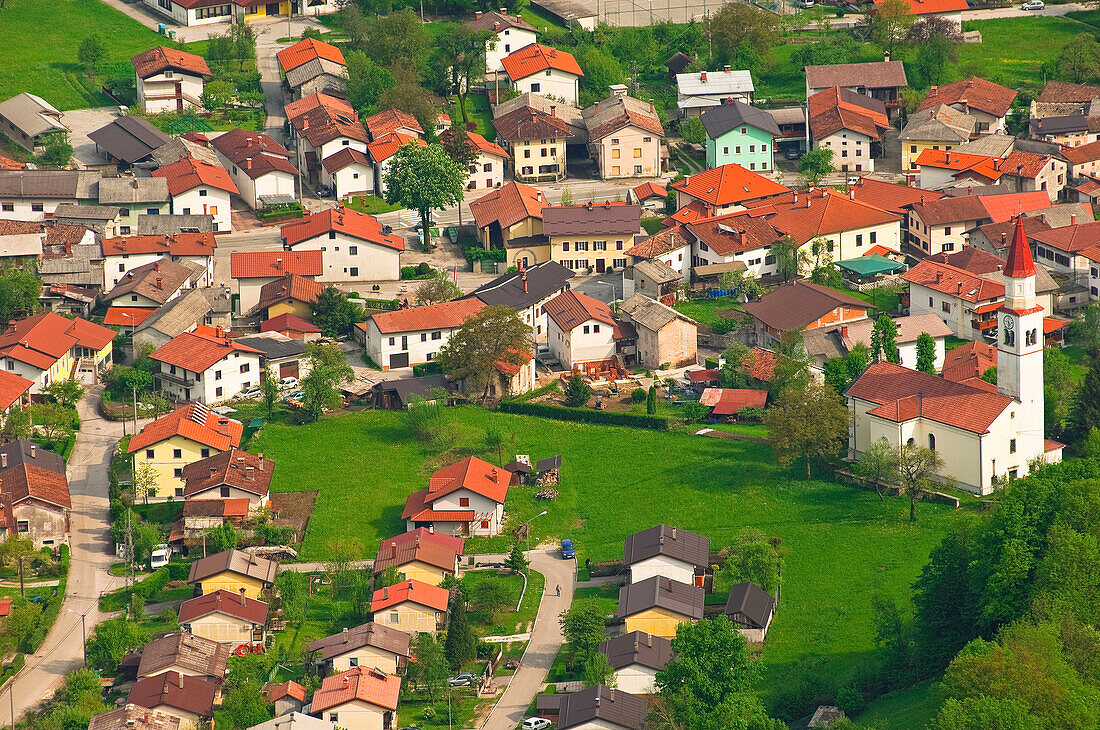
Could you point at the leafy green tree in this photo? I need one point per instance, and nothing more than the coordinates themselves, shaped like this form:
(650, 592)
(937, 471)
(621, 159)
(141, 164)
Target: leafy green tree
(437, 289)
(884, 340)
(424, 178)
(90, 52)
(985, 713)
(408, 95)
(890, 24)
(792, 364)
(461, 49)
(328, 371)
(516, 561)
(835, 373)
(293, 589)
(816, 164)
(19, 292)
(269, 390)
(878, 465)
(808, 422)
(789, 258)
(824, 271)
(944, 601)
(1059, 389)
(1090, 447)
(397, 37)
(217, 95)
(582, 625)
(601, 70)
(735, 23)
(1087, 413)
(18, 550)
(222, 538)
(428, 666)
(492, 335)
(926, 353)
(17, 425)
(114, 639)
(334, 313)
(456, 143)
(598, 670)
(489, 596)
(244, 41)
(857, 360)
(692, 131)
(753, 557)
(53, 420)
(244, 706)
(917, 466)
(461, 644)
(146, 480)
(1087, 328)
(1079, 59)
(893, 633)
(933, 59)
(578, 391)
(391, 576)
(990, 375)
(651, 400)
(66, 392)
(366, 81)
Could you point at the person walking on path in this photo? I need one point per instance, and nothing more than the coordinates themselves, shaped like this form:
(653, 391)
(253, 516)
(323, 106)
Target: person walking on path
(559, 591)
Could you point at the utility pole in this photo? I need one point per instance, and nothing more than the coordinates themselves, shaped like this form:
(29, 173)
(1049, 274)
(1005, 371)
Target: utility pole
(129, 550)
(710, 51)
(135, 409)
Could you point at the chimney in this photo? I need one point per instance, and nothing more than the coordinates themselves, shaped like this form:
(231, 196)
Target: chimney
(504, 11)
(649, 640)
(248, 164)
(393, 551)
(1073, 219)
(727, 69)
(345, 633)
(703, 76)
(851, 194)
(808, 201)
(494, 475)
(523, 278)
(1004, 240)
(160, 282)
(597, 698)
(673, 533)
(261, 461)
(219, 332)
(886, 55)
(553, 110)
(939, 276)
(34, 451)
(843, 330)
(385, 594)
(538, 196)
(611, 690)
(496, 27)
(948, 158)
(305, 123)
(477, 15)
(3, 461)
(795, 198)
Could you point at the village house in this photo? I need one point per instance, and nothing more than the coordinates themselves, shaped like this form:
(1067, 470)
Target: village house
(291, 326)
(191, 699)
(527, 290)
(1068, 249)
(103, 219)
(157, 327)
(388, 121)
(636, 658)
(134, 197)
(35, 492)
(32, 195)
(670, 246)
(369, 645)
(407, 337)
(1070, 130)
(1083, 164)
(260, 166)
(283, 355)
(464, 498)
(169, 80)
(602, 708)
(206, 366)
(727, 404)
(699, 91)
(508, 379)
(30, 121)
(733, 239)
(202, 515)
(311, 66)
(354, 246)
(381, 151)
(577, 140)
(127, 140)
(800, 305)
(253, 269)
(323, 125)
(725, 188)
(937, 127)
(230, 474)
(544, 70)
(511, 218)
(966, 302)
(850, 124)
(235, 571)
(825, 343)
(668, 552)
(937, 226)
(657, 605)
(224, 617)
(358, 699)
(665, 338)
(750, 609)
(624, 136)
(350, 172)
(412, 607)
(741, 134)
(582, 333)
(133, 717)
(186, 654)
(397, 395)
(986, 101)
(184, 436)
(200, 188)
(968, 363)
(290, 294)
(537, 142)
(880, 80)
(991, 266)
(125, 254)
(592, 237)
(488, 167)
(288, 698)
(47, 347)
(1019, 171)
(511, 33)
(654, 279)
(421, 554)
(650, 195)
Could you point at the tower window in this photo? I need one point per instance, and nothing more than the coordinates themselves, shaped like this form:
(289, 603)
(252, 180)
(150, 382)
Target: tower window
(932, 441)
(1012, 446)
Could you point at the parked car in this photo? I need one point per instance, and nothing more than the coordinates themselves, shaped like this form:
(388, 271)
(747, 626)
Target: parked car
(324, 191)
(290, 382)
(853, 179)
(1033, 5)
(536, 723)
(251, 394)
(160, 556)
(296, 395)
(464, 679)
(805, 4)
(420, 224)
(793, 153)
(567, 552)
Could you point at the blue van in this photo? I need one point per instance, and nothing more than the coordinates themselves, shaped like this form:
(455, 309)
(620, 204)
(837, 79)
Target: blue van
(567, 549)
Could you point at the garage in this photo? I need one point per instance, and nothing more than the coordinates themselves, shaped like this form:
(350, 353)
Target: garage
(399, 360)
(288, 369)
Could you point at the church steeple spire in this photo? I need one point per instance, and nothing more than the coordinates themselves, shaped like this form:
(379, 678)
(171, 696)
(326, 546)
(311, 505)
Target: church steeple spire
(1020, 264)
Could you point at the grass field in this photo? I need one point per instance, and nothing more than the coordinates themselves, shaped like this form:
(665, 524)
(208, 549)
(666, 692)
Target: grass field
(40, 41)
(1013, 49)
(478, 112)
(707, 311)
(843, 545)
(910, 708)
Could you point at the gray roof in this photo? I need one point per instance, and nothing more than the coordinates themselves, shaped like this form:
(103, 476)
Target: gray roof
(133, 190)
(73, 269)
(130, 139)
(939, 123)
(656, 270)
(543, 280)
(637, 647)
(789, 115)
(715, 83)
(749, 606)
(830, 342)
(687, 547)
(603, 705)
(274, 345)
(1062, 124)
(67, 213)
(568, 114)
(591, 220)
(313, 68)
(368, 634)
(21, 244)
(722, 119)
(295, 721)
(993, 145)
(661, 592)
(872, 75)
(618, 111)
(422, 386)
(178, 315)
(22, 451)
(649, 314)
(178, 147)
(237, 561)
(31, 114)
(162, 225)
(59, 184)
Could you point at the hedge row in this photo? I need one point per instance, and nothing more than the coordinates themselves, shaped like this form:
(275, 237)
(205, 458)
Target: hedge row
(585, 415)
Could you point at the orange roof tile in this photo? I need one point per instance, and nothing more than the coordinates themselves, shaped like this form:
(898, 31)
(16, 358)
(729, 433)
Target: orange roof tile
(508, 205)
(262, 264)
(196, 351)
(421, 544)
(386, 146)
(42, 339)
(288, 322)
(471, 473)
(835, 108)
(952, 280)
(891, 196)
(289, 688)
(366, 685)
(352, 223)
(481, 144)
(321, 118)
(223, 601)
(446, 315)
(727, 185)
(29, 481)
(289, 287)
(930, 7)
(173, 244)
(188, 174)
(160, 59)
(12, 388)
(971, 93)
(648, 190)
(390, 120)
(305, 51)
(1085, 153)
(1020, 264)
(534, 58)
(805, 216)
(410, 590)
(194, 422)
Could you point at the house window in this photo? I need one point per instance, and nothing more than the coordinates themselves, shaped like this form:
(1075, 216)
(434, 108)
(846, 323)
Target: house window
(217, 392)
(202, 193)
(485, 524)
(595, 328)
(353, 250)
(947, 230)
(423, 336)
(438, 334)
(391, 341)
(177, 473)
(332, 717)
(737, 150)
(354, 271)
(124, 230)
(637, 153)
(874, 236)
(463, 501)
(565, 246)
(615, 154)
(244, 367)
(217, 375)
(637, 169)
(177, 453)
(225, 492)
(36, 207)
(205, 453)
(535, 88)
(24, 525)
(394, 618)
(725, 150)
(859, 239)
(932, 441)
(1012, 446)
(586, 329)
(148, 453)
(946, 306)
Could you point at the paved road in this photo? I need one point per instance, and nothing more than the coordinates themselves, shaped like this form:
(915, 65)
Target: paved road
(546, 639)
(90, 543)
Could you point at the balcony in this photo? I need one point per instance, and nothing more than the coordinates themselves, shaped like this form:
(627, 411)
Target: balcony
(185, 381)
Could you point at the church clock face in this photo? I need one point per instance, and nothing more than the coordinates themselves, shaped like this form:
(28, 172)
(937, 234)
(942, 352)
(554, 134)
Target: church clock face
(1008, 323)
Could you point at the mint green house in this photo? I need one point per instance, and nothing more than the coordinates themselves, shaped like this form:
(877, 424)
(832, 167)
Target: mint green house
(742, 134)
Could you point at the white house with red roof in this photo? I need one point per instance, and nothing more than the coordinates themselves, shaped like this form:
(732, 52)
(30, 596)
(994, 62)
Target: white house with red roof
(392, 120)
(348, 172)
(169, 80)
(983, 436)
(126, 253)
(253, 269)
(949, 9)
(198, 188)
(544, 70)
(354, 247)
(47, 347)
(511, 33)
(363, 698)
(206, 366)
(966, 302)
(582, 333)
(413, 336)
(723, 188)
(311, 66)
(984, 100)
(850, 124)
(258, 164)
(487, 169)
(324, 125)
(382, 149)
(465, 498)
(184, 436)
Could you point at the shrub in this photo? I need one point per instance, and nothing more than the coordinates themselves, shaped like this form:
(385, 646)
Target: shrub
(423, 269)
(638, 395)
(428, 368)
(850, 700)
(749, 413)
(577, 392)
(584, 415)
(710, 363)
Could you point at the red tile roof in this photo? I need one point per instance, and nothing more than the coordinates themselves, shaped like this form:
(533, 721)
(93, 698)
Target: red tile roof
(535, 58)
(984, 165)
(982, 208)
(967, 363)
(364, 227)
(91, 335)
(1071, 239)
(188, 174)
(508, 205)
(254, 153)
(495, 21)
(732, 400)
(160, 59)
(957, 282)
(196, 351)
(173, 244)
(232, 468)
(6, 163)
(321, 118)
(193, 422)
(25, 481)
(807, 215)
(526, 122)
(236, 507)
(12, 388)
(446, 315)
(835, 109)
(263, 264)
(1025, 164)
(1085, 153)
(390, 120)
(347, 156)
(1020, 264)
(366, 685)
(418, 510)
(5, 606)
(421, 544)
(571, 309)
(735, 233)
(648, 190)
(760, 364)
(305, 51)
(172, 689)
(290, 287)
(386, 146)
(289, 688)
(44, 338)
(696, 210)
(409, 590)
(904, 394)
(799, 303)
(288, 322)
(971, 93)
(703, 376)
(225, 602)
(481, 144)
(890, 196)
(1062, 92)
(471, 473)
(727, 185)
(663, 241)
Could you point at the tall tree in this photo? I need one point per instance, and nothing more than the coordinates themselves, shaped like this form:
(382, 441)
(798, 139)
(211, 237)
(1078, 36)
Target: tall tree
(66, 392)
(738, 22)
(792, 364)
(19, 292)
(328, 370)
(334, 313)
(1079, 59)
(917, 466)
(816, 164)
(944, 601)
(244, 706)
(601, 70)
(494, 334)
(461, 644)
(857, 360)
(439, 288)
(18, 550)
(583, 627)
(269, 389)
(926, 353)
(456, 143)
(461, 49)
(753, 557)
(1087, 413)
(1059, 389)
(789, 258)
(598, 670)
(1087, 328)
(428, 666)
(884, 340)
(890, 23)
(397, 37)
(424, 178)
(365, 82)
(90, 52)
(409, 95)
(807, 422)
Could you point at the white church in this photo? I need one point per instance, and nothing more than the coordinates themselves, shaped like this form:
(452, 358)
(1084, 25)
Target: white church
(980, 434)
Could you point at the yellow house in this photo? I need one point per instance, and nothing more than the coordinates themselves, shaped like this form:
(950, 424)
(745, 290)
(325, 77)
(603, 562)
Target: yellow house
(370, 645)
(658, 605)
(421, 554)
(235, 571)
(291, 294)
(592, 237)
(536, 141)
(224, 617)
(411, 606)
(359, 699)
(255, 11)
(48, 347)
(937, 128)
(184, 436)
(511, 218)
(185, 654)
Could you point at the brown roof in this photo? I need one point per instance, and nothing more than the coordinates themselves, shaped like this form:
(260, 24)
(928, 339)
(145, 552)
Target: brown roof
(661, 592)
(232, 468)
(805, 216)
(254, 153)
(749, 606)
(156, 280)
(595, 219)
(193, 654)
(160, 59)
(972, 93)
(571, 309)
(390, 120)
(289, 688)
(234, 561)
(1071, 239)
(30, 481)
(617, 112)
(835, 109)
(533, 58)
(873, 75)
(287, 288)
(671, 542)
(494, 21)
(421, 544)
(601, 706)
(231, 604)
(171, 689)
(368, 634)
(798, 303)
(342, 220)
(663, 241)
(134, 717)
(530, 123)
(321, 118)
(1085, 153)
(637, 647)
(1062, 92)
(445, 315)
(372, 686)
(508, 205)
(236, 507)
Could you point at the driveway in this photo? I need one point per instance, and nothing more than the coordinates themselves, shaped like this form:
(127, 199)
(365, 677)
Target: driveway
(81, 123)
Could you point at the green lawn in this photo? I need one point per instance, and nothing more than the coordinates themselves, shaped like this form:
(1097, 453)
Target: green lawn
(844, 545)
(1013, 49)
(506, 621)
(371, 204)
(910, 708)
(706, 311)
(40, 41)
(478, 112)
(653, 224)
